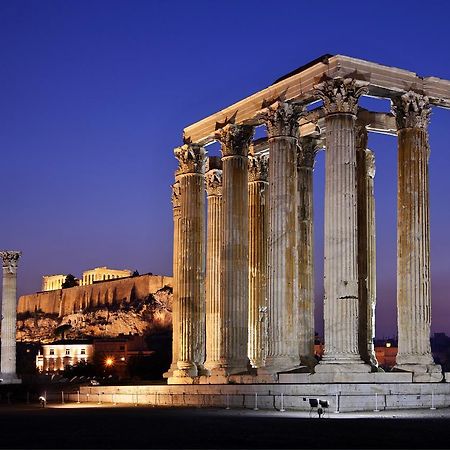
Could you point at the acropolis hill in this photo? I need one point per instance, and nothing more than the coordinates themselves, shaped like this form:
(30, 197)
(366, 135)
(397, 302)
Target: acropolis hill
(107, 308)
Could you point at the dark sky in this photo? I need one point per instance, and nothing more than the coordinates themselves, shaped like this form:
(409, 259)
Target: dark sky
(95, 94)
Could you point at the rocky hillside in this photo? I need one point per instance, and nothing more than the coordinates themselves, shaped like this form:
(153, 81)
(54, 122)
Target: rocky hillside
(141, 315)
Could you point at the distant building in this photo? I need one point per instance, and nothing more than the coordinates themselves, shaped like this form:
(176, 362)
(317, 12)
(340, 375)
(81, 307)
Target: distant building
(52, 282)
(102, 274)
(57, 355)
(112, 353)
(386, 354)
(115, 353)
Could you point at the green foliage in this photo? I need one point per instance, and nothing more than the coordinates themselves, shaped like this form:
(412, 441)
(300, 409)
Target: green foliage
(70, 281)
(62, 330)
(80, 369)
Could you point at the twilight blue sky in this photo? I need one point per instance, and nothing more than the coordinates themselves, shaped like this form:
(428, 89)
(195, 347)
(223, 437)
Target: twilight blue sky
(95, 94)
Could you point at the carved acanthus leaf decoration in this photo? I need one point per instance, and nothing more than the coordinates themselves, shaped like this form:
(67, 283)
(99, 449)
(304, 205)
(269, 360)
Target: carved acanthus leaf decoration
(306, 152)
(213, 179)
(176, 194)
(235, 139)
(191, 159)
(340, 95)
(282, 119)
(258, 167)
(411, 110)
(10, 260)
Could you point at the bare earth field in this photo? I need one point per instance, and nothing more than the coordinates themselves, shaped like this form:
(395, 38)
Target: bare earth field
(80, 426)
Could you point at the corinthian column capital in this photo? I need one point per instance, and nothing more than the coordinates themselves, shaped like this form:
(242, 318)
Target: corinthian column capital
(258, 167)
(10, 260)
(340, 95)
(213, 179)
(191, 159)
(282, 119)
(412, 110)
(306, 152)
(235, 139)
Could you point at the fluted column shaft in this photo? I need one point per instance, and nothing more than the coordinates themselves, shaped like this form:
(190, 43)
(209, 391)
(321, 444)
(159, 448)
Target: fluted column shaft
(305, 163)
(413, 233)
(9, 313)
(257, 259)
(235, 140)
(175, 313)
(190, 284)
(341, 239)
(365, 172)
(283, 324)
(214, 303)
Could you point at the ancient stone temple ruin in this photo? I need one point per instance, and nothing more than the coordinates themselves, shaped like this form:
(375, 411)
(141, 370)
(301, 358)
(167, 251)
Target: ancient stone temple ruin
(243, 230)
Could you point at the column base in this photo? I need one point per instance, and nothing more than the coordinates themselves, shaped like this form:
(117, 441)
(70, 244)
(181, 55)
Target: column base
(170, 371)
(422, 373)
(226, 371)
(342, 364)
(280, 364)
(414, 359)
(202, 370)
(9, 378)
(182, 380)
(309, 361)
(184, 370)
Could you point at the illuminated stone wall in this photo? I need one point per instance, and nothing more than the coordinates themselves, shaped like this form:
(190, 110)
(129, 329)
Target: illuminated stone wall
(67, 301)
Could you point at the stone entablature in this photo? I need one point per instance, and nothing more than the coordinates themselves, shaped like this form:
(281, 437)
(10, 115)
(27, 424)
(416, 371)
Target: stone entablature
(381, 81)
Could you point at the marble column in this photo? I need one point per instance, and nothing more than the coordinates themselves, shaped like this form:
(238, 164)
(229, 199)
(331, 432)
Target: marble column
(175, 314)
(190, 266)
(283, 324)
(235, 140)
(257, 258)
(413, 239)
(340, 98)
(214, 303)
(365, 173)
(306, 153)
(9, 314)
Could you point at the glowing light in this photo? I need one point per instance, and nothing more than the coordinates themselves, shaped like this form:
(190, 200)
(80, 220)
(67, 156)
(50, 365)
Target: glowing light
(123, 358)
(109, 362)
(388, 344)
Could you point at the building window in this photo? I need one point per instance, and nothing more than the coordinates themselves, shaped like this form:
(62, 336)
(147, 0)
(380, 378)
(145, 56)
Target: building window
(83, 351)
(52, 351)
(67, 351)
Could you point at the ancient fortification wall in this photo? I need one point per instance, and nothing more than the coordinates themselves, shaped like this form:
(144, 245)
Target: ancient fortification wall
(70, 300)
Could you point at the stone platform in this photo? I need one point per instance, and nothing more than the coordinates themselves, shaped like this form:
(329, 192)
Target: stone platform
(9, 379)
(289, 396)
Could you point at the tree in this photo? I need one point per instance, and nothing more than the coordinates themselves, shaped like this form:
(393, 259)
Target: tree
(62, 329)
(69, 282)
(135, 274)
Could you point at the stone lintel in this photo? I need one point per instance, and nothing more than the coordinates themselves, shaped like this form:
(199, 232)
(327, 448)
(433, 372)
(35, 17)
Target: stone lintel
(382, 81)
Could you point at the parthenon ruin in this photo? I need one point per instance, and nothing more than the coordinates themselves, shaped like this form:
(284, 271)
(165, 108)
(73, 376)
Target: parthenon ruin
(243, 229)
